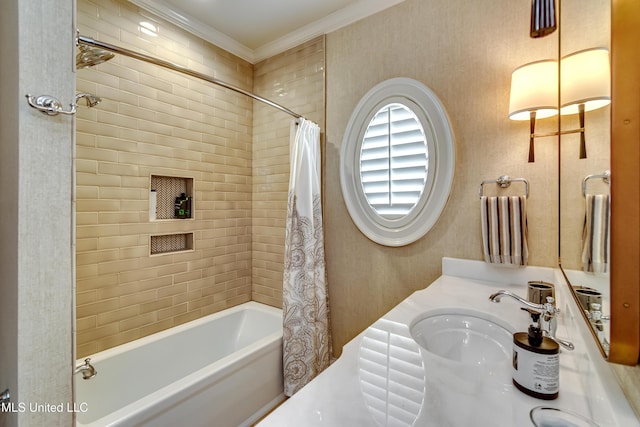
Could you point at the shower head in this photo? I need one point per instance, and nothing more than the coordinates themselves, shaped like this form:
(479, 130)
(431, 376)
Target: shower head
(92, 100)
(90, 56)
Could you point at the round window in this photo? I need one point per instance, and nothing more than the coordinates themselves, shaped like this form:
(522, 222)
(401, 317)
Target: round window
(397, 161)
(393, 161)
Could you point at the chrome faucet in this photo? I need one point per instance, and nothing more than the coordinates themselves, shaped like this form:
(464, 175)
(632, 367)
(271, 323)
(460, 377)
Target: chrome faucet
(547, 311)
(87, 369)
(597, 320)
(91, 100)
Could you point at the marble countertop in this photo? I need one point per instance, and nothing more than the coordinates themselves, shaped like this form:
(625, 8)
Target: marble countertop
(384, 378)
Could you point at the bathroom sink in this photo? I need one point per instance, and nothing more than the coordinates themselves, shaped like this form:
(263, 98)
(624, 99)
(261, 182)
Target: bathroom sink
(464, 336)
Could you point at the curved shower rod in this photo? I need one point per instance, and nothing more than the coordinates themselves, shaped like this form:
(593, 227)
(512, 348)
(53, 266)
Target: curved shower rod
(88, 41)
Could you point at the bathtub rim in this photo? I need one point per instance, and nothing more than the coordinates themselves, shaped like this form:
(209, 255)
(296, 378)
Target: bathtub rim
(196, 381)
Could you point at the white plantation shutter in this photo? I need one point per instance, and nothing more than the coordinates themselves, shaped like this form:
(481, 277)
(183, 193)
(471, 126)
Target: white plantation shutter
(394, 161)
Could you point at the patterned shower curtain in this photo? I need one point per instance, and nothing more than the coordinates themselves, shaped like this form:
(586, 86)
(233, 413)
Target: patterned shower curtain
(306, 339)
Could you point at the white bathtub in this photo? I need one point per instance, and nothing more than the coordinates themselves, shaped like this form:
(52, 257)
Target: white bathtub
(221, 370)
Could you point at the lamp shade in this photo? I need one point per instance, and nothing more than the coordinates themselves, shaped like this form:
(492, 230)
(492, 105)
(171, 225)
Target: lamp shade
(586, 79)
(534, 87)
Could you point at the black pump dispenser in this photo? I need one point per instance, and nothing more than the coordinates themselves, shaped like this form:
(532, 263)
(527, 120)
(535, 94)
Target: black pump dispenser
(536, 365)
(534, 334)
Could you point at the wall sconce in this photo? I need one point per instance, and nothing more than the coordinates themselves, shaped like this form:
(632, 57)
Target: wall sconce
(585, 80)
(534, 95)
(585, 86)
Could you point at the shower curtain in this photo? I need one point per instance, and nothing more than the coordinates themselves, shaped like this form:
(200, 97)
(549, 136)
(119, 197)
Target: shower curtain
(306, 336)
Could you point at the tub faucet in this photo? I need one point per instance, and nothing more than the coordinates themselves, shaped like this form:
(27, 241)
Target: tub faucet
(87, 369)
(547, 311)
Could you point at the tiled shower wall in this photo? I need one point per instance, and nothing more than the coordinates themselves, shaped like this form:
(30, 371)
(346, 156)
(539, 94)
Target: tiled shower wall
(153, 121)
(156, 122)
(294, 79)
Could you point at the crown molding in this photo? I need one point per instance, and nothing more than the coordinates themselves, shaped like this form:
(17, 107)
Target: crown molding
(196, 27)
(336, 20)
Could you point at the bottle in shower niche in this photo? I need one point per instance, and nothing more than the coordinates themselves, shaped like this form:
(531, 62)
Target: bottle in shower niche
(183, 206)
(187, 207)
(179, 212)
(153, 205)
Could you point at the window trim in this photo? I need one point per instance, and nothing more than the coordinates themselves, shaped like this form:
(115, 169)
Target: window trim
(439, 136)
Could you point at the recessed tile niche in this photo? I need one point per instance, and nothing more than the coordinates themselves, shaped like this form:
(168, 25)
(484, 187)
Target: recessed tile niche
(171, 243)
(166, 190)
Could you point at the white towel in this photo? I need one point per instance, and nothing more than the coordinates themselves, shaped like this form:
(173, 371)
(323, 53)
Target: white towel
(504, 229)
(595, 235)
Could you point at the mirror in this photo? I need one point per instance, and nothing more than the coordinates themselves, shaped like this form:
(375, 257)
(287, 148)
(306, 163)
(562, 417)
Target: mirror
(397, 162)
(586, 25)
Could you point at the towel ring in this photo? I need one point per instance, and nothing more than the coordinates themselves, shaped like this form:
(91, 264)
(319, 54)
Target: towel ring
(504, 181)
(606, 178)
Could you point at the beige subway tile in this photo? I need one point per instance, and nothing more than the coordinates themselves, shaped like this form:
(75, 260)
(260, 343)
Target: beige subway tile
(85, 179)
(85, 323)
(85, 245)
(153, 328)
(117, 142)
(138, 298)
(266, 299)
(85, 139)
(200, 302)
(86, 271)
(187, 317)
(187, 277)
(95, 257)
(92, 283)
(118, 290)
(169, 313)
(151, 261)
(136, 182)
(117, 266)
(172, 269)
(134, 252)
(86, 218)
(213, 289)
(223, 296)
(137, 89)
(239, 299)
(83, 350)
(137, 321)
(148, 228)
(187, 256)
(114, 316)
(117, 241)
(86, 165)
(92, 205)
(137, 274)
(156, 305)
(119, 339)
(114, 119)
(118, 169)
(86, 297)
(178, 292)
(84, 192)
(140, 206)
(157, 283)
(96, 308)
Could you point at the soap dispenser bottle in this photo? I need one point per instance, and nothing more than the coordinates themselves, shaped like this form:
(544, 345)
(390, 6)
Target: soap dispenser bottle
(536, 363)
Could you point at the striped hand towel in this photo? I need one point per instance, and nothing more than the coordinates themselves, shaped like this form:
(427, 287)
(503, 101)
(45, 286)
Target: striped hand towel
(504, 229)
(595, 235)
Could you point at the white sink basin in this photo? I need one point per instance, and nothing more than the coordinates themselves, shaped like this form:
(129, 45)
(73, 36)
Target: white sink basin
(465, 336)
